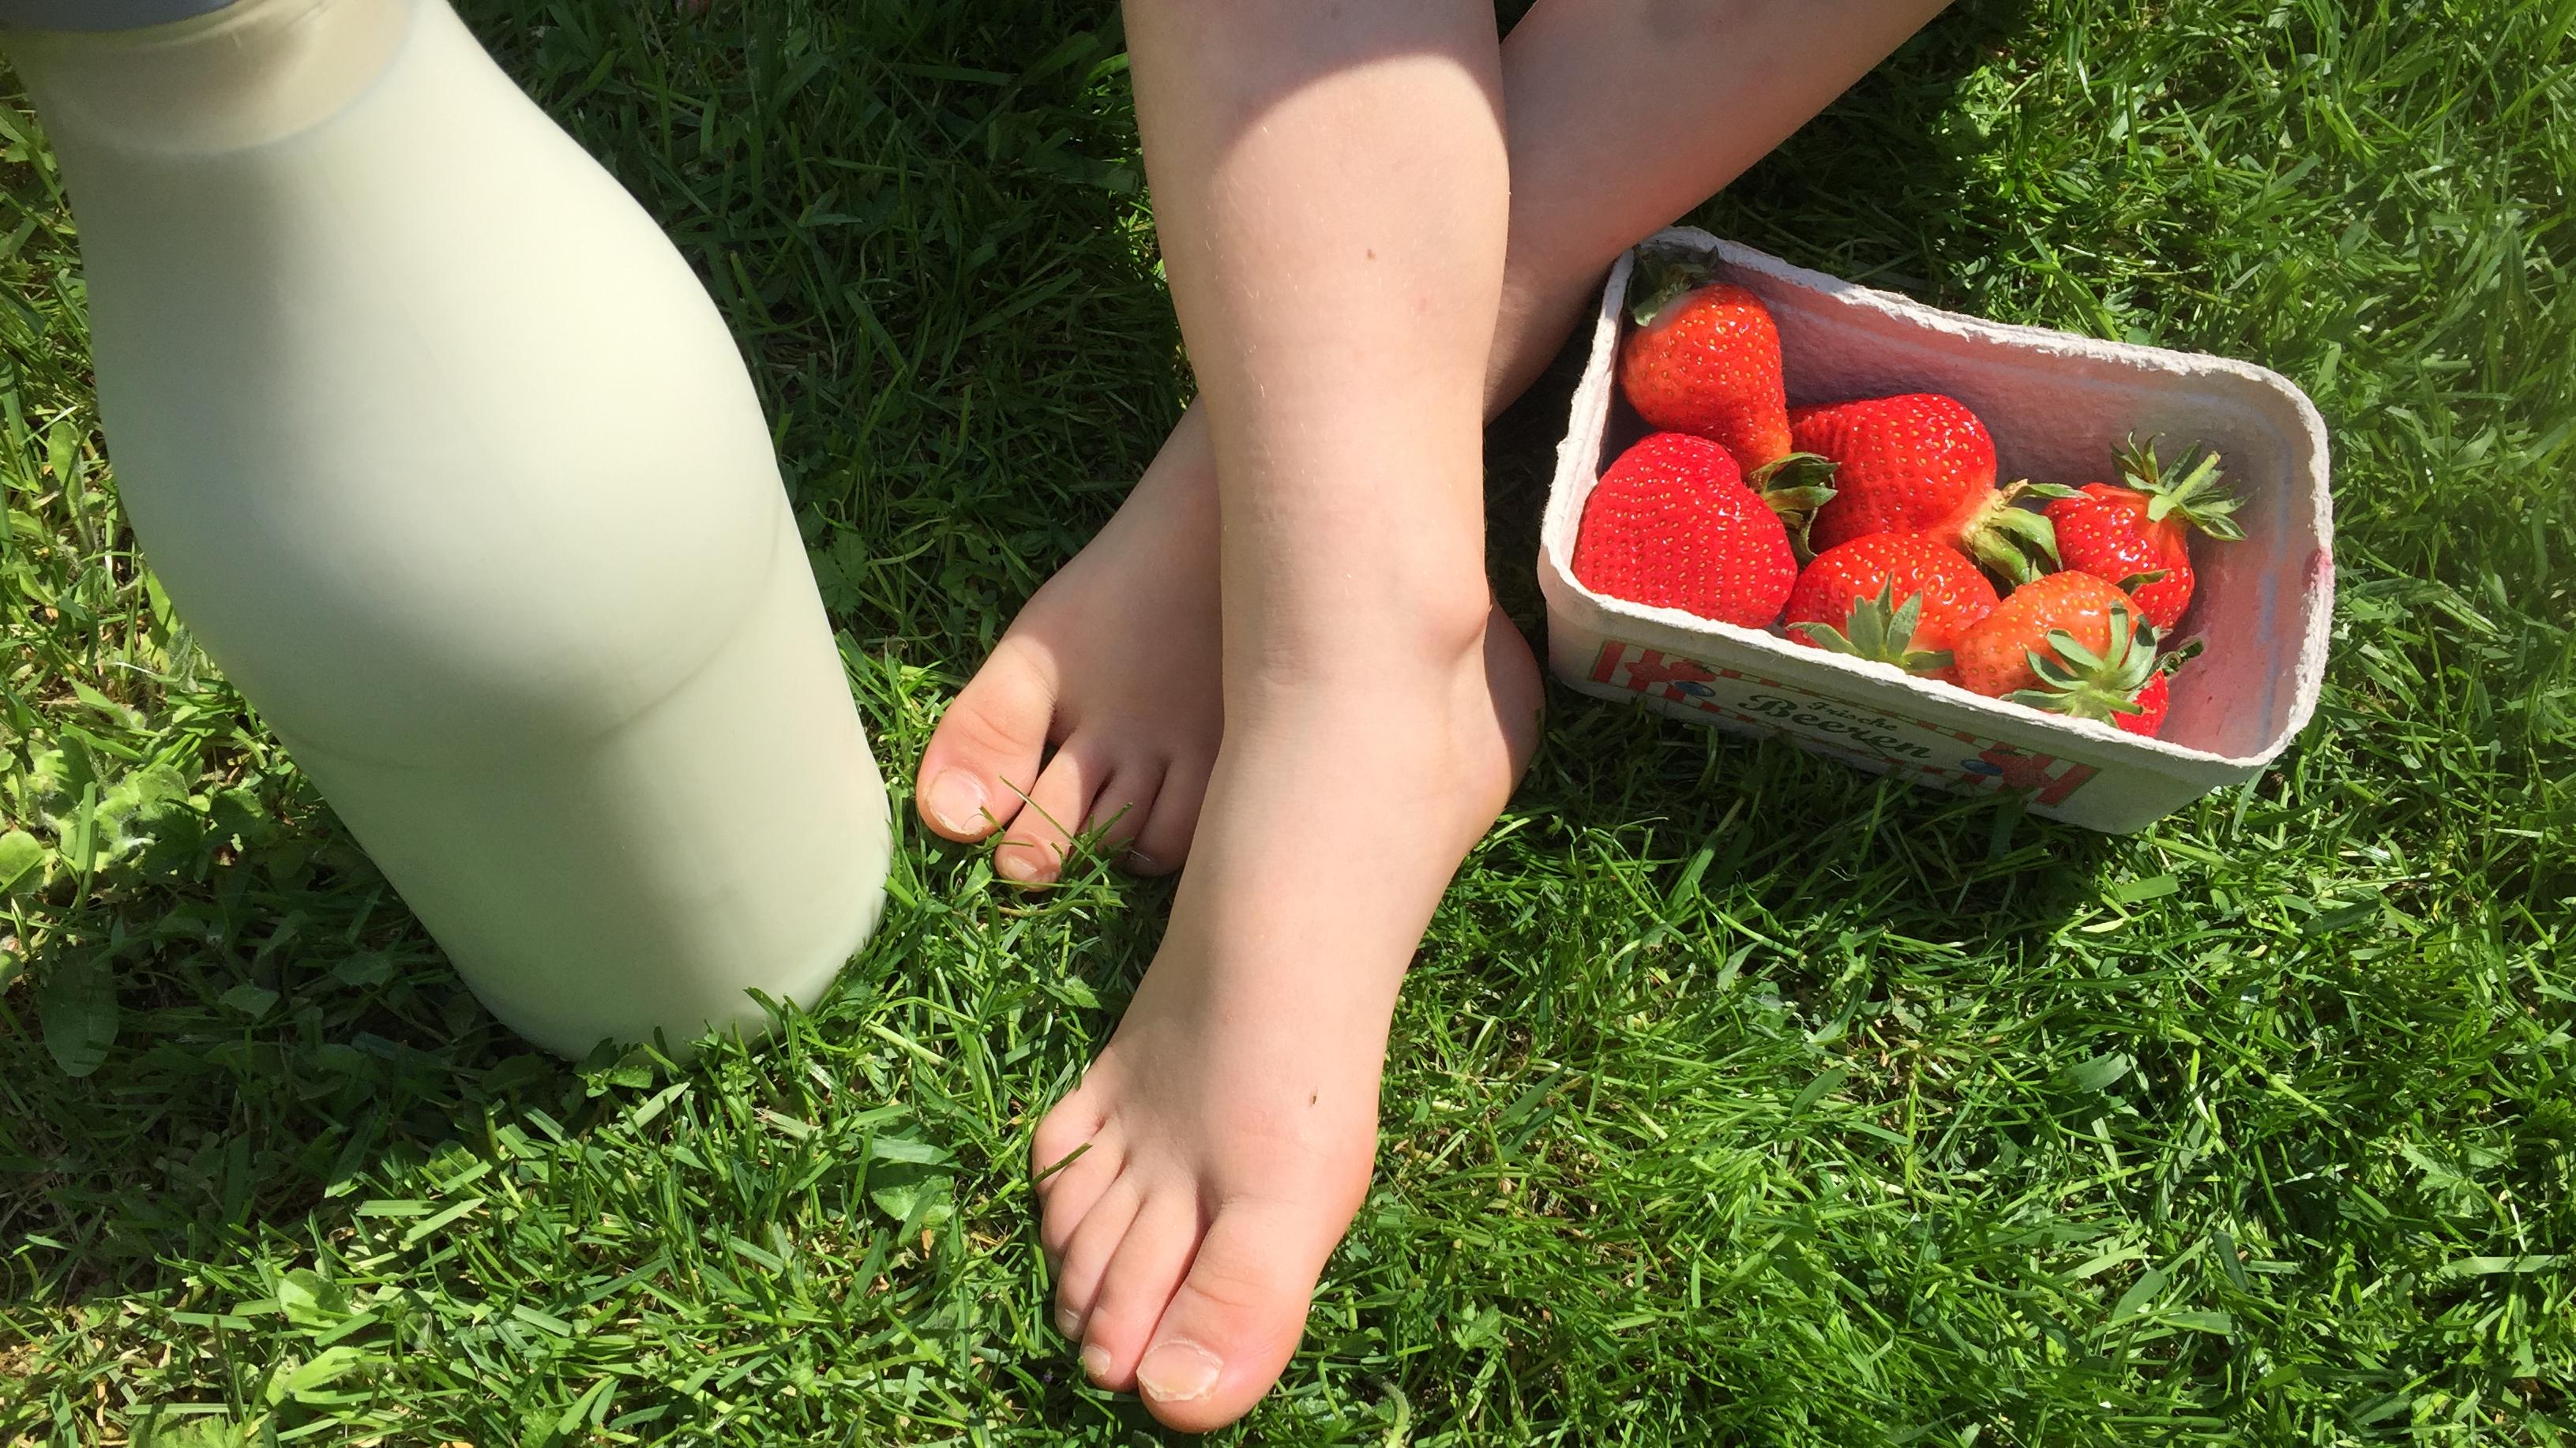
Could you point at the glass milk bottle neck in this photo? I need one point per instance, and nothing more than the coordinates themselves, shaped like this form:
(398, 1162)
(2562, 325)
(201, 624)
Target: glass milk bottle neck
(237, 74)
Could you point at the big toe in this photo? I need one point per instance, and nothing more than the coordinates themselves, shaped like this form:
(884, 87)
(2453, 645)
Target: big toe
(984, 756)
(1234, 1321)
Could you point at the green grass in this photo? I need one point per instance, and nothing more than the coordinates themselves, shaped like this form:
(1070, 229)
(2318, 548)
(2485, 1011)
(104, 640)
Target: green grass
(1735, 1098)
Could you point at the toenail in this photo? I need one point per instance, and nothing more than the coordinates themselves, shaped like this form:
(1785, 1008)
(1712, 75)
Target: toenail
(1095, 1363)
(1013, 867)
(956, 800)
(1140, 862)
(1177, 1372)
(1068, 1322)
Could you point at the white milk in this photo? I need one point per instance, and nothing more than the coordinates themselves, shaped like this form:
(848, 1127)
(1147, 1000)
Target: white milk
(455, 471)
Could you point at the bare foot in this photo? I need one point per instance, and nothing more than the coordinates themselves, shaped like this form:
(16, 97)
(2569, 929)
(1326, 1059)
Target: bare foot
(1232, 1120)
(1112, 666)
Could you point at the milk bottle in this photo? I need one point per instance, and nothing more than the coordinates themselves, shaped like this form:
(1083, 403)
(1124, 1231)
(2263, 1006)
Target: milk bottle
(453, 468)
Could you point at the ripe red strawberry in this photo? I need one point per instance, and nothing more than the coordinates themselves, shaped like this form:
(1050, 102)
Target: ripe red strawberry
(2157, 695)
(2068, 643)
(1672, 525)
(1705, 359)
(2142, 526)
(1920, 463)
(2153, 699)
(1899, 598)
(1994, 655)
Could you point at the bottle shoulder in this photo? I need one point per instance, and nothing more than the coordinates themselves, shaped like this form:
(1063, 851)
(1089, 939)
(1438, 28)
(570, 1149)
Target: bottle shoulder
(213, 75)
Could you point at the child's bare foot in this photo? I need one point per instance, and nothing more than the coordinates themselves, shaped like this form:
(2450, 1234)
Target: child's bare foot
(1232, 1120)
(1113, 664)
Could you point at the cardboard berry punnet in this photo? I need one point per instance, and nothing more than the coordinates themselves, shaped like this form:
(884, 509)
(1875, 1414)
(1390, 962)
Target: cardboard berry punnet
(2057, 404)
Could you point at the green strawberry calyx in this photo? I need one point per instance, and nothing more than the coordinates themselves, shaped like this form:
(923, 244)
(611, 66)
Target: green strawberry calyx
(2082, 684)
(2194, 497)
(2016, 544)
(1880, 629)
(1796, 486)
(1666, 274)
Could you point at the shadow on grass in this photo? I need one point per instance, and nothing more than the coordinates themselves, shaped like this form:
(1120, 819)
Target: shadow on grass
(220, 1033)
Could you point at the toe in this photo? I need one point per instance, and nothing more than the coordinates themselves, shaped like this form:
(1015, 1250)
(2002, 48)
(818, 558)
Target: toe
(1087, 1255)
(1068, 1185)
(1235, 1319)
(1163, 837)
(1073, 1120)
(987, 747)
(1034, 851)
(1137, 1284)
(1123, 805)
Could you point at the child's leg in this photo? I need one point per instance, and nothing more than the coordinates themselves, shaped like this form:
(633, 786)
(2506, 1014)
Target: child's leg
(1330, 194)
(1622, 114)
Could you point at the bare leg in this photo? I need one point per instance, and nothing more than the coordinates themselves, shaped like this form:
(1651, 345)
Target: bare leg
(1330, 190)
(1112, 663)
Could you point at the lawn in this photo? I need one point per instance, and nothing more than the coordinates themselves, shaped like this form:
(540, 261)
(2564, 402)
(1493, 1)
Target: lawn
(1736, 1097)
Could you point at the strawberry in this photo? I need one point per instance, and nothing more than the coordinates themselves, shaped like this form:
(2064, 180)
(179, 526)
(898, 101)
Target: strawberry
(1994, 655)
(2157, 695)
(1920, 463)
(1705, 359)
(2152, 699)
(1672, 525)
(2140, 529)
(1898, 598)
(2068, 643)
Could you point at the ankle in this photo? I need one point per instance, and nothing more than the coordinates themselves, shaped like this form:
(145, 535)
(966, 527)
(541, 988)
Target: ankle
(1399, 636)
